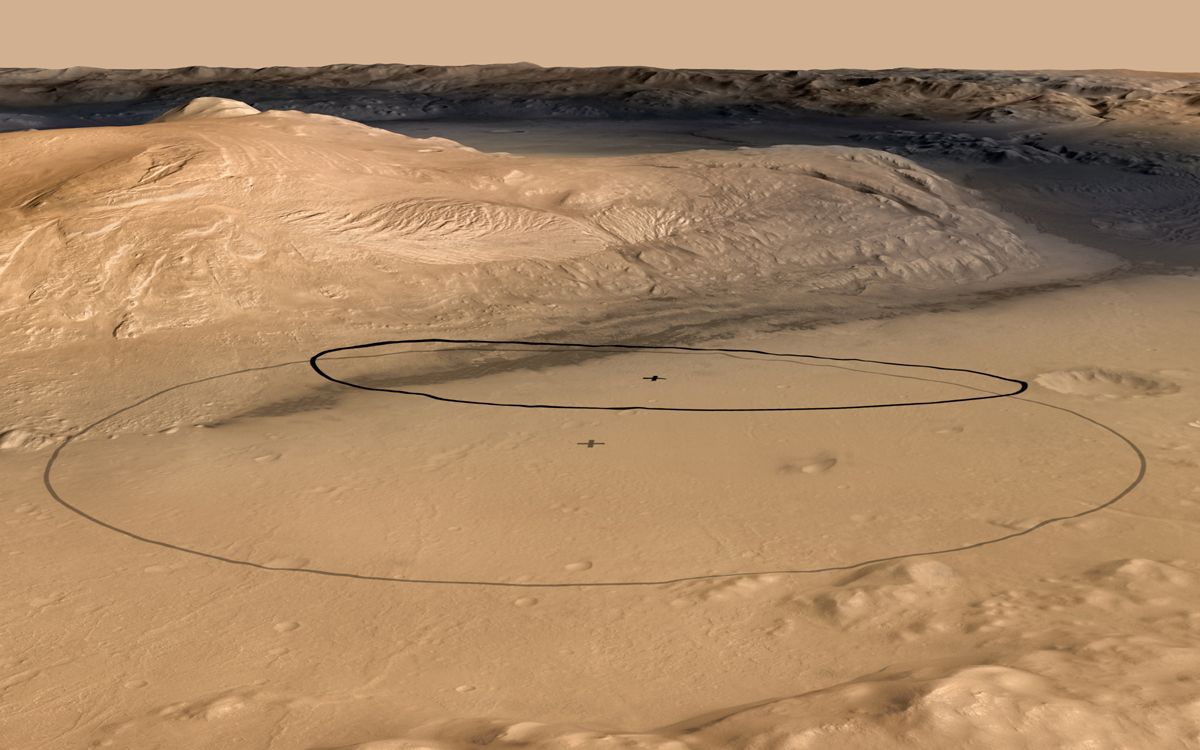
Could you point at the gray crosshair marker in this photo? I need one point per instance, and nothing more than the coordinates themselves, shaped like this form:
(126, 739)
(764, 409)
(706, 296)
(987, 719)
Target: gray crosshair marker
(590, 444)
(654, 378)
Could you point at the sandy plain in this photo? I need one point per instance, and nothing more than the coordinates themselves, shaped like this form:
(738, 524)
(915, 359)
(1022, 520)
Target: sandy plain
(266, 559)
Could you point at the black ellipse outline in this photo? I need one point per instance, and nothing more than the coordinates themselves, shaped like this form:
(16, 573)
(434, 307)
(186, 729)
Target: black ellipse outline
(314, 362)
(48, 484)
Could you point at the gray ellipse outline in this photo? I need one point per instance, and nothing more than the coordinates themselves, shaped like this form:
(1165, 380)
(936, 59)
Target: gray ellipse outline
(55, 455)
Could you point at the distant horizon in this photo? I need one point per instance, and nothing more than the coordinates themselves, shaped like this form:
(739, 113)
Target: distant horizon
(205, 66)
(761, 35)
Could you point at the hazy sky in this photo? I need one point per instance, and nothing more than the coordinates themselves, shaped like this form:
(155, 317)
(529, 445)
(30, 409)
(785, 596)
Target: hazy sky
(1143, 34)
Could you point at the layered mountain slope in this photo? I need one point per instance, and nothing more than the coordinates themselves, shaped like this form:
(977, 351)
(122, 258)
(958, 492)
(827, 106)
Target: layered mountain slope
(210, 107)
(218, 210)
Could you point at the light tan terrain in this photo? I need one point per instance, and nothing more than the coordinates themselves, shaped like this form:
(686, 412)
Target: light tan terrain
(210, 546)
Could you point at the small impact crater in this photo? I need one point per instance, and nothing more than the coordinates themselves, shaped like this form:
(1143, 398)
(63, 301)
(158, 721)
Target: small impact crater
(1097, 382)
(812, 465)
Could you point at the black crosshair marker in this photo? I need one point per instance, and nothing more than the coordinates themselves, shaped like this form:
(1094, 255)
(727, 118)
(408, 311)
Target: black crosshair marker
(590, 444)
(653, 378)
